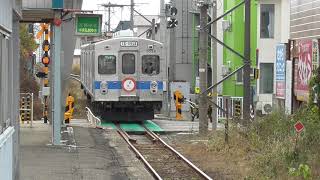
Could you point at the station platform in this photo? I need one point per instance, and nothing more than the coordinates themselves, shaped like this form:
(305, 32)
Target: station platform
(85, 154)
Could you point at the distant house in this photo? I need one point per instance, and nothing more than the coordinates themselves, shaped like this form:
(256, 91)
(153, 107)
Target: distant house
(143, 27)
(123, 25)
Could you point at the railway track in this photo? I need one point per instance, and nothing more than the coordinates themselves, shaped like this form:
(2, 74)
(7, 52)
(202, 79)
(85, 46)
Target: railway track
(163, 161)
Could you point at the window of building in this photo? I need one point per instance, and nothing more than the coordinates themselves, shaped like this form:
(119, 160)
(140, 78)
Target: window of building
(150, 64)
(267, 21)
(266, 78)
(128, 64)
(107, 64)
(239, 77)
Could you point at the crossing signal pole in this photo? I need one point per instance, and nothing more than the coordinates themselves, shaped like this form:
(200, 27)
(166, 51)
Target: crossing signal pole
(171, 12)
(43, 74)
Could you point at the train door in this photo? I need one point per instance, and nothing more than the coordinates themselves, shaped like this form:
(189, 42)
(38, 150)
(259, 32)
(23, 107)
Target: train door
(128, 75)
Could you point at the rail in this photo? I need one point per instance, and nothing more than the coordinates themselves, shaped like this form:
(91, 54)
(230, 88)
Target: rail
(199, 171)
(93, 120)
(154, 138)
(127, 138)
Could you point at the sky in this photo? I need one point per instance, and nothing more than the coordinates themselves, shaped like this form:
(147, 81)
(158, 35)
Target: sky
(145, 7)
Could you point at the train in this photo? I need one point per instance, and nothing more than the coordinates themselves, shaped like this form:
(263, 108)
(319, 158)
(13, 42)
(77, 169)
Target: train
(124, 78)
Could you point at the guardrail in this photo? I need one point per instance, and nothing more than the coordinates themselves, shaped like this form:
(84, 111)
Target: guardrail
(93, 120)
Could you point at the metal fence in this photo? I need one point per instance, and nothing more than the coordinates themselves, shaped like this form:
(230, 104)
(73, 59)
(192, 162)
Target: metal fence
(6, 154)
(93, 120)
(220, 102)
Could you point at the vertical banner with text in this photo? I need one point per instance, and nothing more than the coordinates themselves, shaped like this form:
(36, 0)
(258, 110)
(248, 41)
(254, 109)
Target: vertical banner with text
(303, 70)
(281, 71)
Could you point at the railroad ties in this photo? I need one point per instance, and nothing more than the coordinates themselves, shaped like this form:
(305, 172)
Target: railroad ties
(163, 161)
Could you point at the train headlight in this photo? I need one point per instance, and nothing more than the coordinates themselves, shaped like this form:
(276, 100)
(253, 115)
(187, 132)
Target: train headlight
(104, 87)
(154, 87)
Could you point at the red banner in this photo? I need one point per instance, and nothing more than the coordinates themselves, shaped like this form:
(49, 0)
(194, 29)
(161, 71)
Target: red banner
(303, 70)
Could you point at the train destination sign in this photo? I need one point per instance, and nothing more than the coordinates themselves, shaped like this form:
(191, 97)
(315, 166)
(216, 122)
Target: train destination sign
(129, 43)
(88, 24)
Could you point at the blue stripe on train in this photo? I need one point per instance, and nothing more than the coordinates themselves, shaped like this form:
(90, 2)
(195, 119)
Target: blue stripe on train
(142, 85)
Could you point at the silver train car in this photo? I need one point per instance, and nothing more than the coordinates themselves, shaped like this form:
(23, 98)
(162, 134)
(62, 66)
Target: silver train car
(124, 78)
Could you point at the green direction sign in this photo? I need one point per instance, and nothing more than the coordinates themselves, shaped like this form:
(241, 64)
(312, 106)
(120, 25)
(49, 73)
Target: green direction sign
(88, 24)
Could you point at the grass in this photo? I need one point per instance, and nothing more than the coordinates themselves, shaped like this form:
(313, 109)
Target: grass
(79, 97)
(266, 150)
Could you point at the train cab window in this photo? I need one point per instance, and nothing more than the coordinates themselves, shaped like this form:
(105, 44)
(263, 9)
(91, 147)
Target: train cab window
(150, 64)
(128, 64)
(106, 64)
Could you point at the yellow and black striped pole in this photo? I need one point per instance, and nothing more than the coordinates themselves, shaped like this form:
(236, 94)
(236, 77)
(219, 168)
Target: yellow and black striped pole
(237, 107)
(178, 98)
(28, 106)
(46, 62)
(69, 109)
(22, 113)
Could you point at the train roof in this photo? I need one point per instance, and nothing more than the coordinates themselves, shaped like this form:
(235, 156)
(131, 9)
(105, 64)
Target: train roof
(126, 38)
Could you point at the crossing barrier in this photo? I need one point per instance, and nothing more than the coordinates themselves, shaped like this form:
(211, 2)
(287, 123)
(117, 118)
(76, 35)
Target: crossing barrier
(26, 107)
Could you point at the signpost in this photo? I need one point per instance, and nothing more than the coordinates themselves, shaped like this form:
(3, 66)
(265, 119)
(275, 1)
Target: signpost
(88, 24)
(299, 127)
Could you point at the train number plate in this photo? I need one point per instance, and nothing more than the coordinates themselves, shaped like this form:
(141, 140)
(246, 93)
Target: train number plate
(129, 43)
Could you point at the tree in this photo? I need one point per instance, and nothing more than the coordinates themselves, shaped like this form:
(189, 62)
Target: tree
(27, 42)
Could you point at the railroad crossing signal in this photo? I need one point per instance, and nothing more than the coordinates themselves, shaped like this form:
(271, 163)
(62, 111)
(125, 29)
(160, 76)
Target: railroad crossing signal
(41, 74)
(171, 13)
(172, 23)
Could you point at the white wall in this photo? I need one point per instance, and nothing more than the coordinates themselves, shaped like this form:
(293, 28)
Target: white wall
(267, 47)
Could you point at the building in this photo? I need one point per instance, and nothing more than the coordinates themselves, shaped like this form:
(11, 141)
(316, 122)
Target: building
(304, 50)
(273, 30)
(143, 27)
(10, 14)
(233, 36)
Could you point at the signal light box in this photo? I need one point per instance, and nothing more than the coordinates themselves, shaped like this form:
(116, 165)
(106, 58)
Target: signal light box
(88, 24)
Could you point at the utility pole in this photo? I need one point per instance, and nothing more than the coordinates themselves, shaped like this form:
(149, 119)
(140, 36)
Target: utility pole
(247, 68)
(214, 64)
(57, 110)
(109, 18)
(131, 14)
(172, 68)
(153, 31)
(203, 59)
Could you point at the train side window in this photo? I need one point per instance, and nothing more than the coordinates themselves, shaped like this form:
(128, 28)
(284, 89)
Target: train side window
(150, 64)
(107, 64)
(128, 64)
